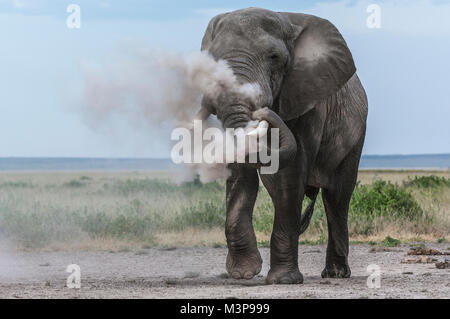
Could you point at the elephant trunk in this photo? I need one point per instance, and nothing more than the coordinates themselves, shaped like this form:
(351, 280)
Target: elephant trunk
(287, 143)
(234, 115)
(235, 109)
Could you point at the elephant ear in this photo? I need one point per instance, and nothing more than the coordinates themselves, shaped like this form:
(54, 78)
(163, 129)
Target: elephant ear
(209, 33)
(322, 64)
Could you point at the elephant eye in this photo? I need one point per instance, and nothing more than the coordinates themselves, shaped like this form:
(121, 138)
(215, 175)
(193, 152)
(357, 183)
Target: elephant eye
(274, 57)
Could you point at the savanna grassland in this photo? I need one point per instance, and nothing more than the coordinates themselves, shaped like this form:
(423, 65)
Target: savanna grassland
(120, 211)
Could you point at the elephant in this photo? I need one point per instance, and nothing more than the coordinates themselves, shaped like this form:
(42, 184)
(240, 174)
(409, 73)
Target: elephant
(310, 91)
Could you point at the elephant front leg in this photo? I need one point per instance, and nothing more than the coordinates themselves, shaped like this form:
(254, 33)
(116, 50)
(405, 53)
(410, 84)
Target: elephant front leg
(287, 198)
(243, 260)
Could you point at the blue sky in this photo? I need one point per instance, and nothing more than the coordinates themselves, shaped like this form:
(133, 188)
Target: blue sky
(403, 65)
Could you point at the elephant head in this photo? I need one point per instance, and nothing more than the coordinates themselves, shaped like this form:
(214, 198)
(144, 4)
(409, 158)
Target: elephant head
(295, 60)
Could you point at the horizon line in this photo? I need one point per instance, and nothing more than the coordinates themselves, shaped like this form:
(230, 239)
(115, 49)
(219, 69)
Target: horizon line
(168, 158)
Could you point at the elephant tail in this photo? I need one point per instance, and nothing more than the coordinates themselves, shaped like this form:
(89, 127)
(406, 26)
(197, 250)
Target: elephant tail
(305, 219)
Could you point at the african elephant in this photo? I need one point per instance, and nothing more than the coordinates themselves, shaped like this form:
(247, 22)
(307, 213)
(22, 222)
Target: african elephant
(310, 91)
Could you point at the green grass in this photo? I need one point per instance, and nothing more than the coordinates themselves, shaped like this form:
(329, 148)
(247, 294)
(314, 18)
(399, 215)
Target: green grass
(18, 184)
(384, 199)
(203, 215)
(39, 210)
(432, 181)
(390, 242)
(74, 183)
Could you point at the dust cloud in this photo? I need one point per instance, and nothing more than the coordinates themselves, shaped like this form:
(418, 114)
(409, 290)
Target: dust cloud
(157, 89)
(9, 262)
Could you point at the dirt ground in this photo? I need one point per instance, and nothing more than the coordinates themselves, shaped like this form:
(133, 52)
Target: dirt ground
(200, 273)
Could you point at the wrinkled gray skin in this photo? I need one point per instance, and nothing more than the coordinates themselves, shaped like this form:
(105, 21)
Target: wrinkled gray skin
(310, 91)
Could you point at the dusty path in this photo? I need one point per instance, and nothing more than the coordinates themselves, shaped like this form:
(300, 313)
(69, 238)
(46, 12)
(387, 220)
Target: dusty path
(199, 273)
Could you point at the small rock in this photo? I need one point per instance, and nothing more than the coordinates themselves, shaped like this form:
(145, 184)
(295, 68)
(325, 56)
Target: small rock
(191, 274)
(167, 248)
(312, 251)
(141, 252)
(424, 251)
(378, 249)
(171, 282)
(418, 260)
(443, 265)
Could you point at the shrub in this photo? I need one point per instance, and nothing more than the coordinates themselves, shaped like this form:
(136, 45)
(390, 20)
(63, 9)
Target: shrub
(74, 183)
(203, 215)
(370, 203)
(384, 199)
(431, 181)
(132, 186)
(37, 228)
(390, 242)
(158, 186)
(16, 185)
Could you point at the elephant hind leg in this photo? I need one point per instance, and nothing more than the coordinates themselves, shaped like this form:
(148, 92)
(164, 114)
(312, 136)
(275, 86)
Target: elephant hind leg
(336, 199)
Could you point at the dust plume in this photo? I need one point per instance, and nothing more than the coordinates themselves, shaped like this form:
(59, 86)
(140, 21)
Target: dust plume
(158, 88)
(9, 262)
(226, 142)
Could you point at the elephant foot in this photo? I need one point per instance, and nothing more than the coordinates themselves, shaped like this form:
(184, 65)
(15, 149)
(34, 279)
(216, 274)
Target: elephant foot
(284, 277)
(244, 266)
(336, 271)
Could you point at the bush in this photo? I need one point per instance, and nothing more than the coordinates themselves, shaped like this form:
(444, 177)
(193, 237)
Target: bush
(16, 185)
(99, 225)
(390, 242)
(384, 199)
(43, 226)
(370, 203)
(203, 215)
(431, 181)
(37, 228)
(157, 186)
(74, 183)
(132, 186)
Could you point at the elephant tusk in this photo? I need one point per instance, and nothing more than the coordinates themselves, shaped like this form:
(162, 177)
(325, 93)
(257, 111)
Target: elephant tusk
(261, 130)
(239, 131)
